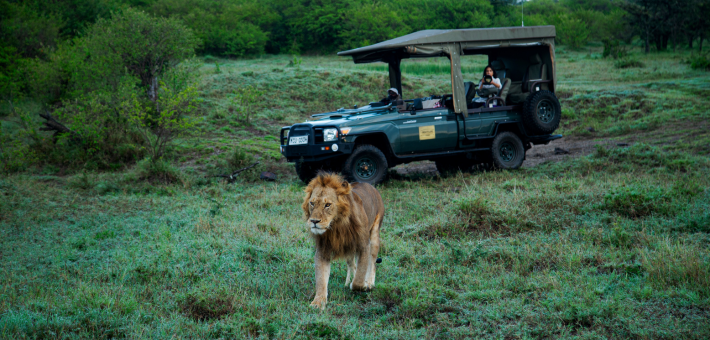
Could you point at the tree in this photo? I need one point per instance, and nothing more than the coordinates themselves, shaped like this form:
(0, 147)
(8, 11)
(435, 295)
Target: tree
(145, 46)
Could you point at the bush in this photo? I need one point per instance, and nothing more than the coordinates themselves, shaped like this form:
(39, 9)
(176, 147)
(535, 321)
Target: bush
(157, 171)
(627, 63)
(571, 31)
(238, 159)
(614, 49)
(167, 121)
(244, 100)
(226, 28)
(699, 62)
(110, 94)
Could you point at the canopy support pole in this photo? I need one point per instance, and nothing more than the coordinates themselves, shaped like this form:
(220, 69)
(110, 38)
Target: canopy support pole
(396, 75)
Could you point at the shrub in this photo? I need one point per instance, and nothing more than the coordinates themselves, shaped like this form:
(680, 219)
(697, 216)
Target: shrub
(244, 101)
(614, 49)
(169, 120)
(699, 62)
(571, 31)
(238, 158)
(628, 62)
(157, 171)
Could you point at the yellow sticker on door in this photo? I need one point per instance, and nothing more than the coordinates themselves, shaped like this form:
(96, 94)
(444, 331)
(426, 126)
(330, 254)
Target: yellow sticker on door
(427, 132)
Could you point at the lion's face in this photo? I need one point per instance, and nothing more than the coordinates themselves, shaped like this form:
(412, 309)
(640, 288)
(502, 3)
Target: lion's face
(325, 202)
(322, 209)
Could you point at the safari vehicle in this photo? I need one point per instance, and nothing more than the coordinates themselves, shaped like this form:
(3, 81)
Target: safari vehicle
(455, 130)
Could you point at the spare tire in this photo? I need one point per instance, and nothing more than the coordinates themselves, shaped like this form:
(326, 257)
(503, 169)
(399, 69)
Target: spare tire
(541, 113)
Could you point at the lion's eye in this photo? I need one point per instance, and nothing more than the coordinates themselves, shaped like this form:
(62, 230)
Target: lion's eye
(327, 205)
(311, 203)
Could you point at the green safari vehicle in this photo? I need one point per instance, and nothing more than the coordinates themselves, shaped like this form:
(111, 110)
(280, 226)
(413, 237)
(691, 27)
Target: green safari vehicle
(466, 129)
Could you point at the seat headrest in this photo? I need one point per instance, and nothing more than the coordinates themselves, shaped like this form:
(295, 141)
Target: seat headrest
(498, 65)
(535, 59)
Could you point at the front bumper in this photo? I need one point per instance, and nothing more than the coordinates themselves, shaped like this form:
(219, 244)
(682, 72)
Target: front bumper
(315, 150)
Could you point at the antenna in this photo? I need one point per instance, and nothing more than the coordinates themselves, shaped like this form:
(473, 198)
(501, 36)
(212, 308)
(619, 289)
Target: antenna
(522, 13)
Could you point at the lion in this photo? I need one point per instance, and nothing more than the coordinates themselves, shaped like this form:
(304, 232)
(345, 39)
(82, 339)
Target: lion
(345, 221)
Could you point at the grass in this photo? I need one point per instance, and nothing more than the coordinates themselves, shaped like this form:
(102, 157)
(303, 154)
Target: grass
(610, 245)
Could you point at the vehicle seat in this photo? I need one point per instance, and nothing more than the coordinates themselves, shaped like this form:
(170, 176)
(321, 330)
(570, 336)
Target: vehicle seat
(536, 71)
(499, 67)
(470, 90)
(503, 93)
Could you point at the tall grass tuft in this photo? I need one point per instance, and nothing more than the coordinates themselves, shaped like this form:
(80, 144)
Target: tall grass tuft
(677, 264)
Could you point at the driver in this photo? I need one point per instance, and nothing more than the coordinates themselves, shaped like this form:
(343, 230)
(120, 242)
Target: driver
(392, 97)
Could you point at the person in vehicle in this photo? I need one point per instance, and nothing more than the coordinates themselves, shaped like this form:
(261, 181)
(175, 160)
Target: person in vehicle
(490, 79)
(488, 86)
(392, 97)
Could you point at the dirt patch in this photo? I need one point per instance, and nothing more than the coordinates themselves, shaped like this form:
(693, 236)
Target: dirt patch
(573, 147)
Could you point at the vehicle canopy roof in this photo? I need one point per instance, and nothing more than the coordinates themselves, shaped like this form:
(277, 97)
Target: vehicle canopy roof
(452, 44)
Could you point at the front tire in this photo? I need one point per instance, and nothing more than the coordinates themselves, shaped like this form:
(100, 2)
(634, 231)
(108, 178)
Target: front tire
(507, 151)
(307, 170)
(367, 164)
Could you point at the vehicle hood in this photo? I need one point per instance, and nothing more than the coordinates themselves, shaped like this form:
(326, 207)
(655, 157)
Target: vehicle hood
(344, 117)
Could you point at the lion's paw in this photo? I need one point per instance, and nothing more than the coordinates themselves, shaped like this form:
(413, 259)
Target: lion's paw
(319, 302)
(359, 288)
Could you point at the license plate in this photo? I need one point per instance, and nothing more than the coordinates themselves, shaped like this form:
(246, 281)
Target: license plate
(298, 140)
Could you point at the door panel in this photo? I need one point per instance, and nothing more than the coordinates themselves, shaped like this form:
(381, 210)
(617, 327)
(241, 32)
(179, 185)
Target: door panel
(426, 131)
(473, 124)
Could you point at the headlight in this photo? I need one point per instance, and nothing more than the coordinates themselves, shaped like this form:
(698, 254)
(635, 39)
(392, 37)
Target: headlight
(330, 135)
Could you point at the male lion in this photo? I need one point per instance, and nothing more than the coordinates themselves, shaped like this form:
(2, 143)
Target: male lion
(345, 222)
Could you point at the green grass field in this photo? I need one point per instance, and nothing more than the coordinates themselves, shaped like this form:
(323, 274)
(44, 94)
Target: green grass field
(614, 244)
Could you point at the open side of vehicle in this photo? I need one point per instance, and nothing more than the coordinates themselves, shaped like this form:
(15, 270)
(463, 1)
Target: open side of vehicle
(457, 131)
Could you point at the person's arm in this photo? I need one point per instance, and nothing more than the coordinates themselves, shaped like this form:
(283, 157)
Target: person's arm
(496, 82)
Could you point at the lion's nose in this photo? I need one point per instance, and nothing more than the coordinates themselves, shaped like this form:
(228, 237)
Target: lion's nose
(314, 221)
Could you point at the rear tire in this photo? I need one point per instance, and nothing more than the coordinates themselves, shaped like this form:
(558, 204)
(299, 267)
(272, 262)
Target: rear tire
(507, 151)
(367, 164)
(542, 113)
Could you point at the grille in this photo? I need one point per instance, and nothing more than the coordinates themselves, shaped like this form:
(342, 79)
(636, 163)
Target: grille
(297, 150)
(318, 135)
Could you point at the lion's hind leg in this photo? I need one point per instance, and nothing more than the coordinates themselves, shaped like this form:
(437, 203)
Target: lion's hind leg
(374, 250)
(352, 267)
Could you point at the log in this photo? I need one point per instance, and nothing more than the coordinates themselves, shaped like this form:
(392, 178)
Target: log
(231, 178)
(52, 124)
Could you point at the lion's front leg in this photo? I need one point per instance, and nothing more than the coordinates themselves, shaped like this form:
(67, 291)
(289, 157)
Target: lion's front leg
(352, 267)
(322, 275)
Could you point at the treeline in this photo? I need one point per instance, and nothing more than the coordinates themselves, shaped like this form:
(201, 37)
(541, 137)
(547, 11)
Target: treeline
(248, 27)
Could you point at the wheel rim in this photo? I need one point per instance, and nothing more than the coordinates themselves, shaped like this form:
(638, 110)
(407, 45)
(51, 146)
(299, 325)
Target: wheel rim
(365, 168)
(545, 111)
(507, 152)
